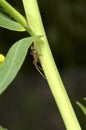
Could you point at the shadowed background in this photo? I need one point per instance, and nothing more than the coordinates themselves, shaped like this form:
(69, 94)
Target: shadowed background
(28, 102)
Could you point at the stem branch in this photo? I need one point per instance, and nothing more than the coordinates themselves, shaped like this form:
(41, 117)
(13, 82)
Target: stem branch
(34, 23)
(49, 67)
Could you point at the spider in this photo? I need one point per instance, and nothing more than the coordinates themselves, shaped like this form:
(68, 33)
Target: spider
(36, 59)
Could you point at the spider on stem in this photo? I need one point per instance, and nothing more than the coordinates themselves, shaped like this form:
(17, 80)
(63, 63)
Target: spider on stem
(36, 60)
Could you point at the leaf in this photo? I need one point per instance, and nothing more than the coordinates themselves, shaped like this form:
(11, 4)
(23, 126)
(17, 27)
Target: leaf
(83, 108)
(14, 60)
(8, 23)
(1, 128)
(85, 99)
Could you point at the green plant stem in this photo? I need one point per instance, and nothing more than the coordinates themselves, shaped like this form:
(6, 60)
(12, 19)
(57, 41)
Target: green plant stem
(15, 14)
(46, 59)
(49, 67)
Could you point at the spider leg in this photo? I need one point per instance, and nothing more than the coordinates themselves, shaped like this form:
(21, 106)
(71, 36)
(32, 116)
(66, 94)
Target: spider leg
(38, 69)
(36, 60)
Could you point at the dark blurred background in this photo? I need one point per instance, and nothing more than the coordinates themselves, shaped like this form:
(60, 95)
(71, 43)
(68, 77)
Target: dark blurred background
(28, 104)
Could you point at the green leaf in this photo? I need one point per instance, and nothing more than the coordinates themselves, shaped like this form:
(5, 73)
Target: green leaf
(14, 61)
(1, 128)
(83, 108)
(85, 99)
(8, 23)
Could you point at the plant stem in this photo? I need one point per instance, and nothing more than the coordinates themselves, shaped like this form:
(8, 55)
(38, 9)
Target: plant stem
(15, 14)
(49, 67)
(46, 59)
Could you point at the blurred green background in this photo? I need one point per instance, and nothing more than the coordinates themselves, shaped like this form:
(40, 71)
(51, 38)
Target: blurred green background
(28, 104)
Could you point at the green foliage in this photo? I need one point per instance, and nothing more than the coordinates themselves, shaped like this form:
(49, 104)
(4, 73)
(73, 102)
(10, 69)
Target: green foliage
(85, 99)
(16, 54)
(1, 128)
(8, 23)
(13, 62)
(82, 107)
(18, 51)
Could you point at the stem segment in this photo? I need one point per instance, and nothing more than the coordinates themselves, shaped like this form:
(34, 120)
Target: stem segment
(46, 58)
(15, 14)
(49, 67)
